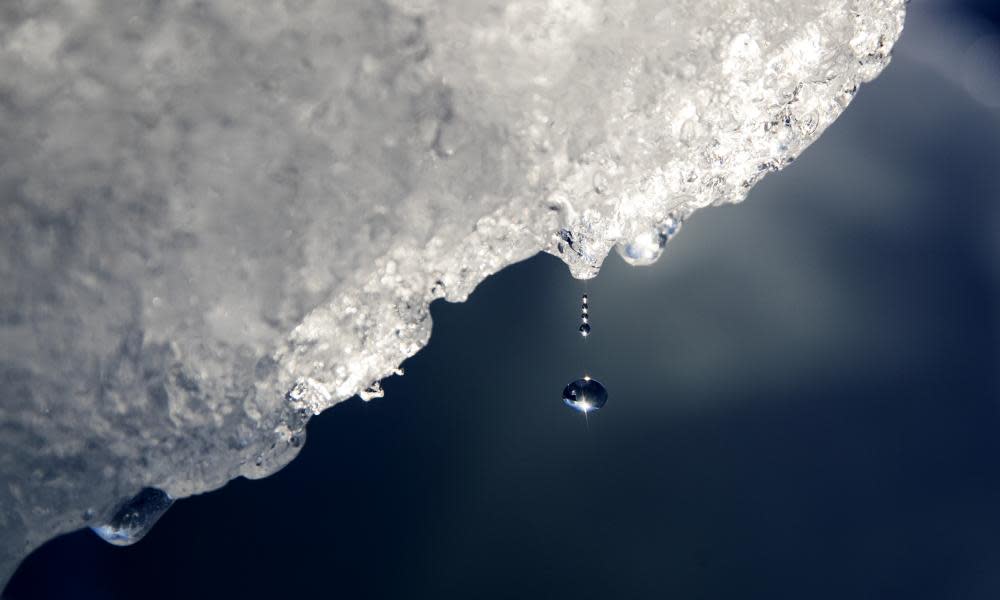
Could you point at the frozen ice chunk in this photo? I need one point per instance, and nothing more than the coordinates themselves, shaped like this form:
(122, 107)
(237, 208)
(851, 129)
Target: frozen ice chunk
(220, 218)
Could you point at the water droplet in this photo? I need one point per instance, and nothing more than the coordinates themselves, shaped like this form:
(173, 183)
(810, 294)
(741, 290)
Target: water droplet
(585, 395)
(647, 247)
(135, 518)
(584, 317)
(644, 249)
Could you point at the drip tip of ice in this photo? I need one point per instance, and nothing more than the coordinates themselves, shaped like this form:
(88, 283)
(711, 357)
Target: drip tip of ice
(133, 520)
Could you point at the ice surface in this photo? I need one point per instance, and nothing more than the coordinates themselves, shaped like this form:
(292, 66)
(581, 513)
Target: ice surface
(220, 218)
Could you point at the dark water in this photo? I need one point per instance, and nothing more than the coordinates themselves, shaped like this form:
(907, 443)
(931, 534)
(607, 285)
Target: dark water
(803, 404)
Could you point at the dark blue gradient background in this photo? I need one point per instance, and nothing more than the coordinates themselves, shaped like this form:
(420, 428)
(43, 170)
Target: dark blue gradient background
(804, 405)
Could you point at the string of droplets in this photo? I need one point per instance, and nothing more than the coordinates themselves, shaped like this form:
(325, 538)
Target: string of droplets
(587, 394)
(584, 317)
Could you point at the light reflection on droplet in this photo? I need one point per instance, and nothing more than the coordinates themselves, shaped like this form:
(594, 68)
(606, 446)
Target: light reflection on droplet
(647, 247)
(585, 395)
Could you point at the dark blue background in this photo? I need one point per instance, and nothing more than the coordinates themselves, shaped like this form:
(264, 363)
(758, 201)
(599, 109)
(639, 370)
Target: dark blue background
(804, 405)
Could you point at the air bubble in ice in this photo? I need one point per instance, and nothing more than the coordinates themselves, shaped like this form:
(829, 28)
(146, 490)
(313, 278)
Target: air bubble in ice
(135, 518)
(600, 182)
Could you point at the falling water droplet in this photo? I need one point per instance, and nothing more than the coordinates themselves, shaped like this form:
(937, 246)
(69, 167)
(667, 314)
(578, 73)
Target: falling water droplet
(135, 518)
(585, 395)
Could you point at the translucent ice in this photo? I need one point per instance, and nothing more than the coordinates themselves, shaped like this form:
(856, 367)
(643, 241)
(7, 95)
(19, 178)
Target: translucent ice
(220, 218)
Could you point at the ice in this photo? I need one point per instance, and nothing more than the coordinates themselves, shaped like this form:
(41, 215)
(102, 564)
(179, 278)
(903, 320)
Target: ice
(221, 218)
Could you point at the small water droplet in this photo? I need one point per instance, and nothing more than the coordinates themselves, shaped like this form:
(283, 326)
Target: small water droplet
(647, 247)
(585, 395)
(135, 518)
(584, 317)
(644, 249)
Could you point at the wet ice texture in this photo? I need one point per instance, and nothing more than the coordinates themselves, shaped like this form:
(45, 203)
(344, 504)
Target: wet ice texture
(220, 218)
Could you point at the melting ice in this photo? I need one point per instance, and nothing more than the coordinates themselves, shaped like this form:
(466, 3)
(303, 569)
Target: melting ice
(221, 218)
